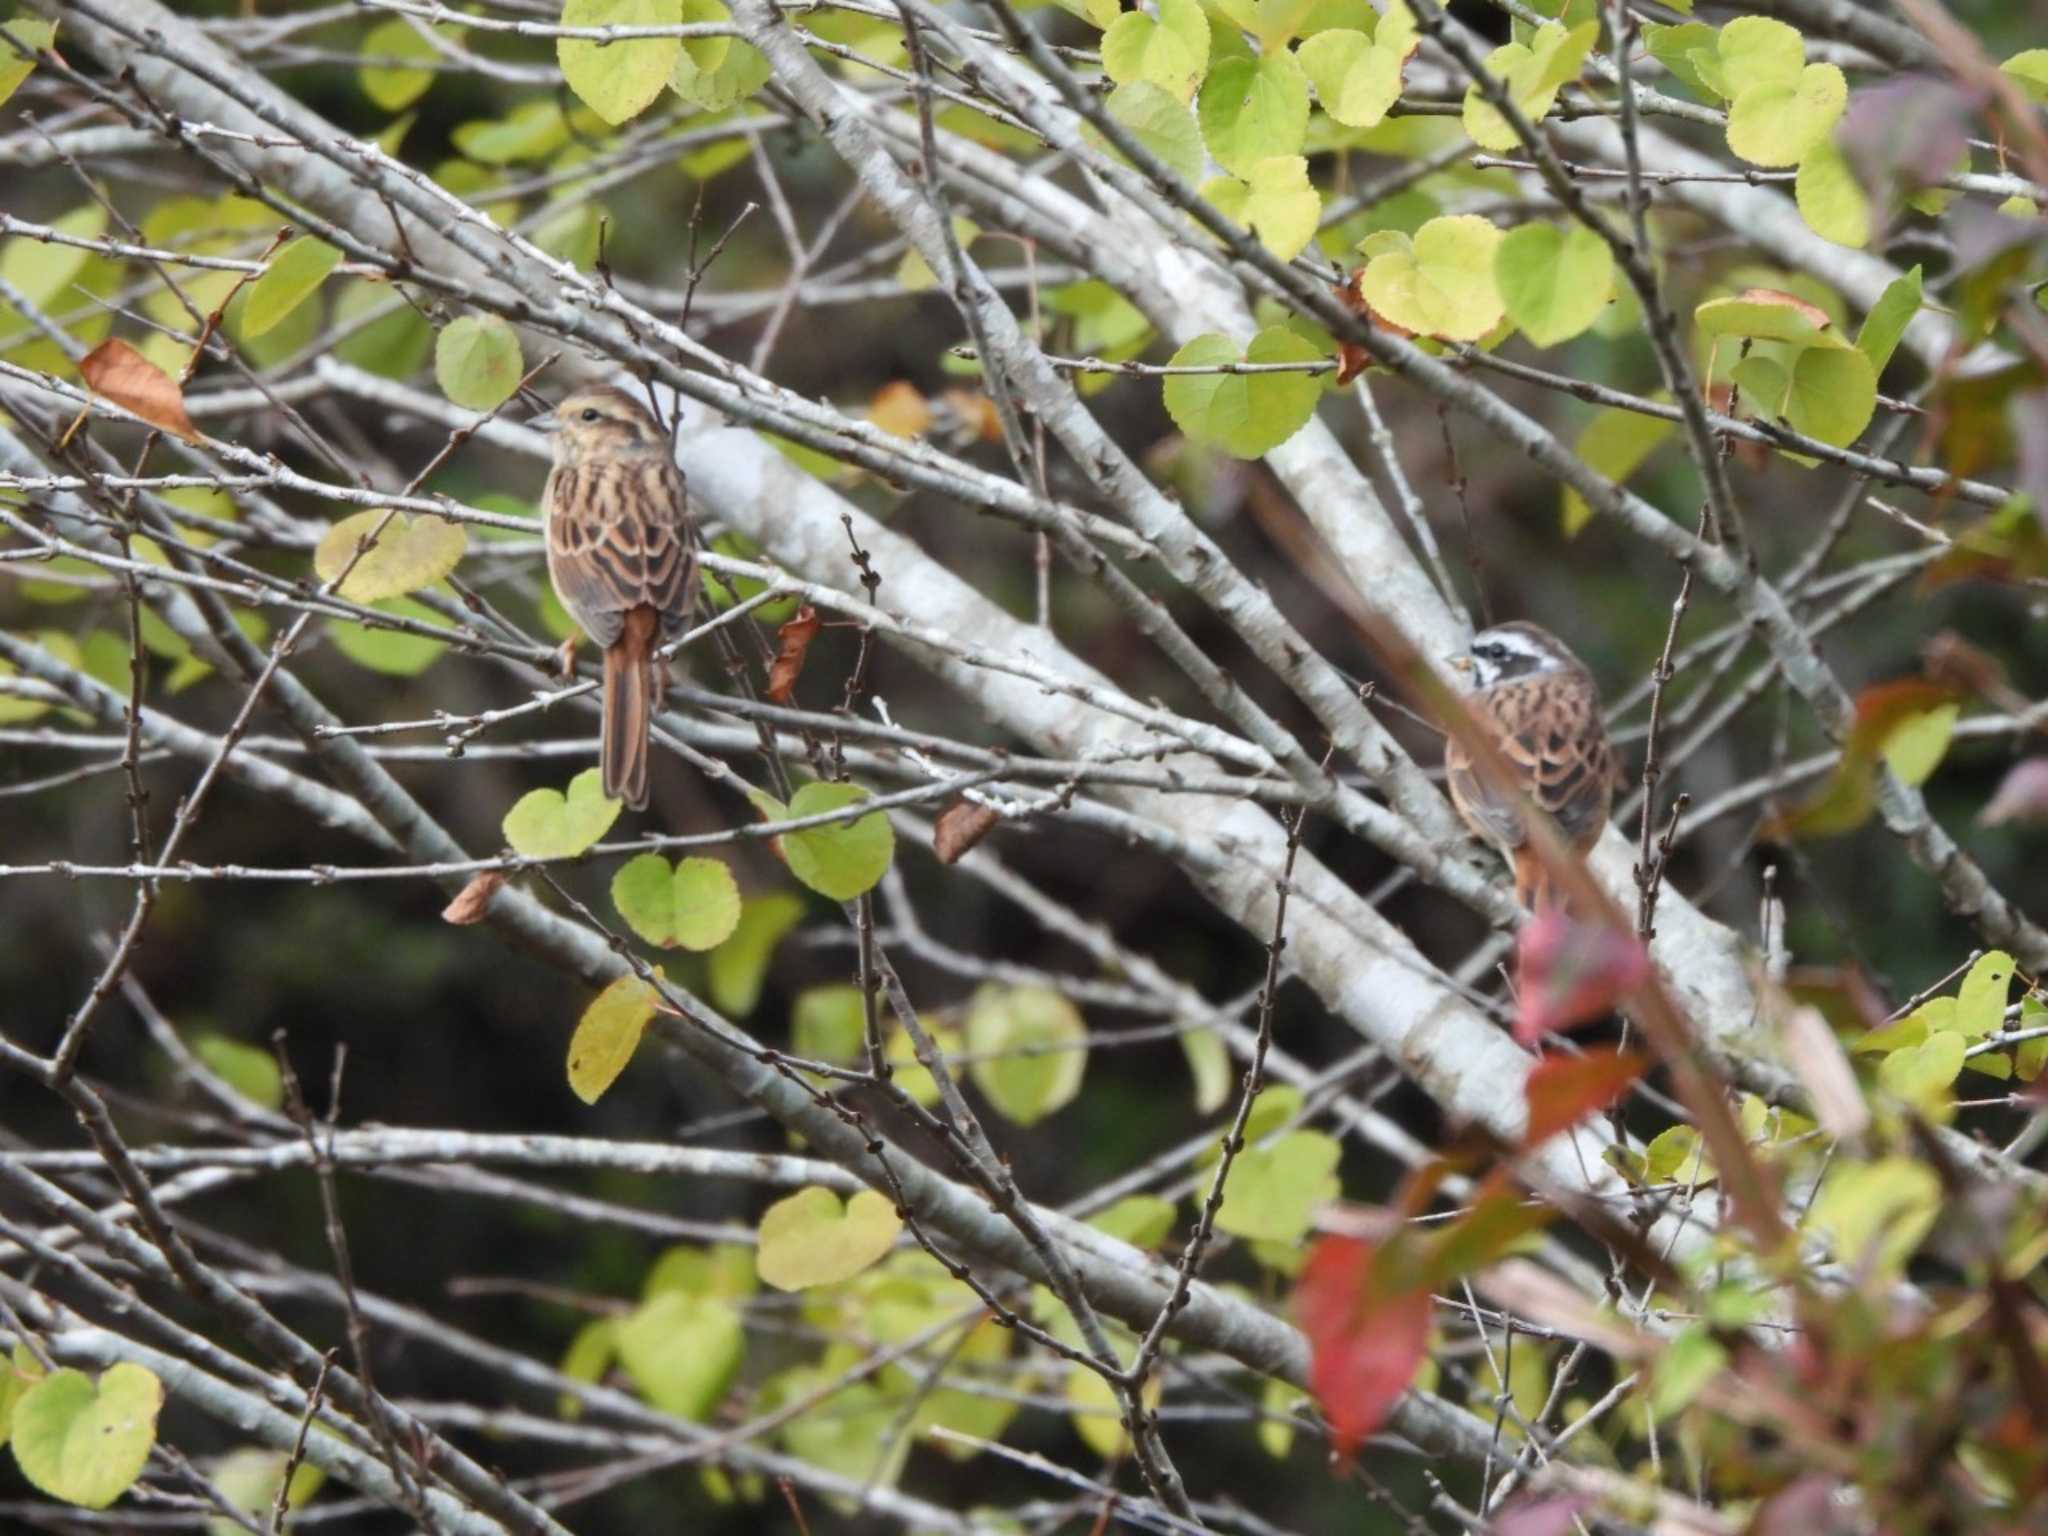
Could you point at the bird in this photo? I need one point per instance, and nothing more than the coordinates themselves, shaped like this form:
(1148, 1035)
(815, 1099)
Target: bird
(623, 559)
(1541, 707)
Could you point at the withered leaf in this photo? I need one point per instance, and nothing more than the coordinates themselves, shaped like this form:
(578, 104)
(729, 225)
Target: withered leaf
(794, 644)
(470, 902)
(118, 372)
(960, 826)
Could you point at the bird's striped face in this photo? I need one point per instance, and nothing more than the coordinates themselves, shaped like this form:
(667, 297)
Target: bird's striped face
(1509, 651)
(601, 421)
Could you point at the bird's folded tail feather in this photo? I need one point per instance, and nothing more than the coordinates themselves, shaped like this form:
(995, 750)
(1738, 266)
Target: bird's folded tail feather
(629, 707)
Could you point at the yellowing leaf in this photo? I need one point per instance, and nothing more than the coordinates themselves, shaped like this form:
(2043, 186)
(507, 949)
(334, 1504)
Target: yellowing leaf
(1172, 52)
(810, 1239)
(1760, 50)
(250, 1478)
(1441, 283)
(682, 1351)
(695, 904)
(1275, 1191)
(546, 824)
(1876, 1213)
(608, 1034)
(1980, 1001)
(1781, 124)
(619, 80)
(1917, 744)
(477, 362)
(1160, 122)
(1831, 200)
(14, 67)
(1533, 74)
(86, 1441)
(1029, 1046)
(1278, 203)
(393, 86)
(1357, 80)
(409, 552)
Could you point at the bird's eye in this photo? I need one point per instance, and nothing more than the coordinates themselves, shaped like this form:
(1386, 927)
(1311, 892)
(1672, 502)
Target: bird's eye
(590, 413)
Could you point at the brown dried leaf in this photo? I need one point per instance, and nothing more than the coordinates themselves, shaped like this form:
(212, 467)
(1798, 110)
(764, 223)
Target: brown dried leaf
(975, 414)
(118, 372)
(1816, 1054)
(470, 902)
(960, 826)
(1777, 298)
(899, 409)
(795, 643)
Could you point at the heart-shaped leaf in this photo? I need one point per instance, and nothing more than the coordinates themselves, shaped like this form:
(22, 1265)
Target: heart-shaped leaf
(608, 1034)
(1161, 122)
(1275, 1191)
(1441, 282)
(839, 859)
(410, 552)
(1278, 202)
(1533, 73)
(1779, 124)
(619, 80)
(1554, 281)
(1171, 52)
(682, 1351)
(250, 1478)
(1357, 80)
(1030, 1050)
(85, 1442)
(546, 824)
(1244, 414)
(694, 905)
(810, 1239)
(477, 362)
(1831, 200)
(1252, 109)
(735, 971)
(292, 277)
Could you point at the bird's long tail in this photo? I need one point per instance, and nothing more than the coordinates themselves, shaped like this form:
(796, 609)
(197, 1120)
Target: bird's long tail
(629, 707)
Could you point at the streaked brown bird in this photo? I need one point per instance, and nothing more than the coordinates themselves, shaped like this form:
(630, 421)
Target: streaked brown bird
(623, 561)
(1542, 708)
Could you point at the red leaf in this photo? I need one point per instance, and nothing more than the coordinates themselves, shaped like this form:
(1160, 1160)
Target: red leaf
(1569, 972)
(795, 643)
(2022, 795)
(1563, 1090)
(123, 375)
(1365, 1346)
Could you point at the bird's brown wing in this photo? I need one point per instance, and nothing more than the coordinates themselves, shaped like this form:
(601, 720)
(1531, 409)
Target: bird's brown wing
(1549, 734)
(619, 537)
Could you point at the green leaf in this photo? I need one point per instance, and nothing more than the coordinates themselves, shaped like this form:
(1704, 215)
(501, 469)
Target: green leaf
(1533, 75)
(477, 362)
(694, 904)
(1832, 394)
(1980, 1002)
(1916, 745)
(1441, 283)
(739, 966)
(410, 552)
(809, 1238)
(1254, 109)
(390, 651)
(1029, 1050)
(248, 1069)
(1140, 1220)
(394, 87)
(1615, 443)
(1278, 202)
(723, 1270)
(682, 1352)
(1781, 124)
(1677, 1155)
(530, 131)
(86, 1442)
(546, 824)
(1245, 415)
(1688, 1363)
(1876, 1213)
(1762, 314)
(1921, 1074)
(619, 80)
(608, 1034)
(1172, 52)
(2029, 68)
(1553, 281)
(1673, 47)
(714, 73)
(1935, 1013)
(1831, 200)
(13, 67)
(393, 345)
(293, 276)
(1888, 318)
(842, 859)
(1758, 50)
(250, 1477)
(1275, 1191)
(1159, 122)
(827, 1024)
(589, 1355)
(1209, 1062)
(1356, 80)
(44, 271)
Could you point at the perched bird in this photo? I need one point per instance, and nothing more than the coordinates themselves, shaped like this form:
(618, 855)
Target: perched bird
(623, 561)
(1542, 708)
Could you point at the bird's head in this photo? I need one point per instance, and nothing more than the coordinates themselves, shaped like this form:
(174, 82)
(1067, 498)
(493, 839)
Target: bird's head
(602, 421)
